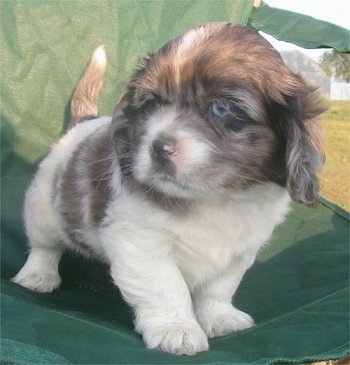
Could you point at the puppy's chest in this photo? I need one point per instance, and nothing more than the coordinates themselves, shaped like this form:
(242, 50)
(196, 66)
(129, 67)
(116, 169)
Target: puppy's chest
(208, 225)
(215, 237)
(210, 238)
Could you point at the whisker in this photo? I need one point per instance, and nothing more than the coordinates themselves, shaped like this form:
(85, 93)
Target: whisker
(110, 158)
(104, 176)
(127, 143)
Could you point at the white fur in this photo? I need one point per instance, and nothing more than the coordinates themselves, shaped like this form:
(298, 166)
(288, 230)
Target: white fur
(99, 56)
(179, 274)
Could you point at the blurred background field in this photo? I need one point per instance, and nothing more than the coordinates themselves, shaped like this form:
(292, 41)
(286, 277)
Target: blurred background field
(335, 178)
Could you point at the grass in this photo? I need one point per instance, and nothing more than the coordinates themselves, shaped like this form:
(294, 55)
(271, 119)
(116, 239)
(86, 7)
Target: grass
(335, 178)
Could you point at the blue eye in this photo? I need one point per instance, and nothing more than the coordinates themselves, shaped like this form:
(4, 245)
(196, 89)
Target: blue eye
(219, 110)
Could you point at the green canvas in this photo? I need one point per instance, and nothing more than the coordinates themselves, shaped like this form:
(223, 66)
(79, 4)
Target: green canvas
(299, 29)
(298, 289)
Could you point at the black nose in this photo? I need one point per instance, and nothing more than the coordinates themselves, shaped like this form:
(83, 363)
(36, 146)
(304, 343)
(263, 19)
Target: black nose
(162, 149)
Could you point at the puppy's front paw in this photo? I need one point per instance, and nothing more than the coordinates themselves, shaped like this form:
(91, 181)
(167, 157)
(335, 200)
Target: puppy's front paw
(220, 319)
(184, 338)
(36, 280)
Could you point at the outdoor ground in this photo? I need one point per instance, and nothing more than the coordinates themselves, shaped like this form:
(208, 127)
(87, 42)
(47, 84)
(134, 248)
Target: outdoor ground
(335, 178)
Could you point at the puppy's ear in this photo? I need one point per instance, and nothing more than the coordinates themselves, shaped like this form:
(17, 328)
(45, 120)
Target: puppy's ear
(302, 133)
(121, 105)
(121, 134)
(119, 120)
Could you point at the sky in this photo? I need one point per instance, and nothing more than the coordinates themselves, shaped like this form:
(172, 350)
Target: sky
(333, 11)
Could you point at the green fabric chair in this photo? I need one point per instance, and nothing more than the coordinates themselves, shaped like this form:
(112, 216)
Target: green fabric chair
(298, 289)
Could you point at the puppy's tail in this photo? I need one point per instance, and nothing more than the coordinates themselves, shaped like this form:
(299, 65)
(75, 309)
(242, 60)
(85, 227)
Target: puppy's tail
(84, 104)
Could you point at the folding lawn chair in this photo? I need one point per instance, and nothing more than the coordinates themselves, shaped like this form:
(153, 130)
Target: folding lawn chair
(297, 291)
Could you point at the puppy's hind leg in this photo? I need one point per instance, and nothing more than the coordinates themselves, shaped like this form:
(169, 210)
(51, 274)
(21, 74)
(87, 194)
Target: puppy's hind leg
(40, 272)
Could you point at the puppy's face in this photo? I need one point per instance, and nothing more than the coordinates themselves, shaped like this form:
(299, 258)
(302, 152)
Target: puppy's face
(217, 109)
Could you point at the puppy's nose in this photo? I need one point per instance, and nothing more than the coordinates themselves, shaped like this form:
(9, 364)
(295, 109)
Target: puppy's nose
(162, 149)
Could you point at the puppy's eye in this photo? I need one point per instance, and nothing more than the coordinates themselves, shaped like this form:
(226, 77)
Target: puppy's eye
(219, 110)
(156, 97)
(153, 101)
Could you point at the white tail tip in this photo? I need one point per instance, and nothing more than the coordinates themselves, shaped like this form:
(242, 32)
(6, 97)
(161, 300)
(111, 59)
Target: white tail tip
(99, 56)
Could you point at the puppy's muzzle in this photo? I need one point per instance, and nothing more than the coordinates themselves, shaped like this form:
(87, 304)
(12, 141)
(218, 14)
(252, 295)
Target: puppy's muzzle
(162, 151)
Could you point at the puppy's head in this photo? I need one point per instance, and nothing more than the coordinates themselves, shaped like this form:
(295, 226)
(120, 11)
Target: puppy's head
(217, 109)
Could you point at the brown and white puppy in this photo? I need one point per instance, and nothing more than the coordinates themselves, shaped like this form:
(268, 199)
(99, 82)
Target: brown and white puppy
(179, 190)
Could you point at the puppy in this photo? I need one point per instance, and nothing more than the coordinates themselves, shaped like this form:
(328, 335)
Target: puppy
(177, 192)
